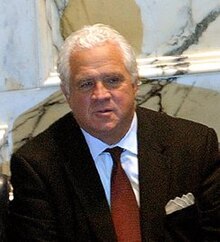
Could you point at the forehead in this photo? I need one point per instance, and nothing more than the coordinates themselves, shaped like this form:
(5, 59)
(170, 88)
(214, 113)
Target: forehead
(107, 54)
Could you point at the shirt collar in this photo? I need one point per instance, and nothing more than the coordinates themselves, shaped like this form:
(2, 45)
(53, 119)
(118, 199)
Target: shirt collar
(128, 142)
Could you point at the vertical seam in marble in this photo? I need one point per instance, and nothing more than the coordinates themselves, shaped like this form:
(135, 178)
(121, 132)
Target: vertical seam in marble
(194, 37)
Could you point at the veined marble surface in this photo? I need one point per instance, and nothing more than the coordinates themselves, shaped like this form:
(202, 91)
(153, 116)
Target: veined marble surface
(190, 26)
(179, 65)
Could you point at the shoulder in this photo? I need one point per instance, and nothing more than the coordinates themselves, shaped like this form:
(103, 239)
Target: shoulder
(167, 121)
(173, 129)
(50, 140)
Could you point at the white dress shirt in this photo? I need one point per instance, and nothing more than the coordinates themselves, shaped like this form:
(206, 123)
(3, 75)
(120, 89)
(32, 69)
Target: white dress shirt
(129, 160)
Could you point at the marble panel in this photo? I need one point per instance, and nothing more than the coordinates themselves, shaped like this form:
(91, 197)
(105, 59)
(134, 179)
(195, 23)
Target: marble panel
(192, 26)
(18, 62)
(124, 15)
(189, 25)
(38, 118)
(185, 101)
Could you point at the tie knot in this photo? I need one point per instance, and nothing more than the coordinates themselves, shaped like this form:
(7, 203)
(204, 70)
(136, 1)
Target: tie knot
(115, 153)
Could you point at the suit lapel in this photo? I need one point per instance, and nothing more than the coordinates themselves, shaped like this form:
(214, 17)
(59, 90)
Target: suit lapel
(153, 176)
(84, 178)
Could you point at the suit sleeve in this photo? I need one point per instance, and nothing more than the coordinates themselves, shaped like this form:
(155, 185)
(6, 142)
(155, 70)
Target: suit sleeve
(30, 214)
(209, 201)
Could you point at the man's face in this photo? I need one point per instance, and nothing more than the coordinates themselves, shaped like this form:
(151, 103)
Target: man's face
(102, 96)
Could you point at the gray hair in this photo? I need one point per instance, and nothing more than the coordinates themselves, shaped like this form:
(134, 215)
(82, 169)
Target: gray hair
(90, 36)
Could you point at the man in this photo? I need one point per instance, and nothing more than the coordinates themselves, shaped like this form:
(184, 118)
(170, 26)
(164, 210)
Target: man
(62, 178)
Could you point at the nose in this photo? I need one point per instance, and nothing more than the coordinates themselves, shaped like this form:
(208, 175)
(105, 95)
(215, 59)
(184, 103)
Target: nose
(100, 91)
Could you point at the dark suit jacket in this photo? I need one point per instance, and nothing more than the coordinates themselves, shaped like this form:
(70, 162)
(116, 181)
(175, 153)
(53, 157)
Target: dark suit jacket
(59, 195)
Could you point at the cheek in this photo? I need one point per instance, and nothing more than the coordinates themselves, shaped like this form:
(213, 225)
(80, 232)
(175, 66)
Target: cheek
(78, 104)
(128, 95)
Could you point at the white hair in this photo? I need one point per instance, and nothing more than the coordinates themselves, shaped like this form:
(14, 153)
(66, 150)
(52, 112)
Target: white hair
(90, 36)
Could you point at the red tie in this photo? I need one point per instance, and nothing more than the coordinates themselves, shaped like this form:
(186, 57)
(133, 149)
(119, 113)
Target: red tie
(124, 208)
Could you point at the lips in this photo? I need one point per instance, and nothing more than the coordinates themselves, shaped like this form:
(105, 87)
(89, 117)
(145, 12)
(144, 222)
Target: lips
(105, 111)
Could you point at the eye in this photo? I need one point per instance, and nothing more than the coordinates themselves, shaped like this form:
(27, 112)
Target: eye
(85, 85)
(113, 81)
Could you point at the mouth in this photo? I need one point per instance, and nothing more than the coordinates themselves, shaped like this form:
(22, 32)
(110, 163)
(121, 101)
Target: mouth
(104, 111)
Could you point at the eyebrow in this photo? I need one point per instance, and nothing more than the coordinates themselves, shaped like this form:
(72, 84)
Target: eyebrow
(101, 76)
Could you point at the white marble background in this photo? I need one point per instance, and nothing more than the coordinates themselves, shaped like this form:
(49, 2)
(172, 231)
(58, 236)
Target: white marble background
(30, 40)
(172, 27)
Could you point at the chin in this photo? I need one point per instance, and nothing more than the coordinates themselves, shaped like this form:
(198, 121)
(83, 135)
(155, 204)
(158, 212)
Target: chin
(100, 129)
(103, 129)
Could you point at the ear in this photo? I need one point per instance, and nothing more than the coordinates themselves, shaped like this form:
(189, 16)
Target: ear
(136, 84)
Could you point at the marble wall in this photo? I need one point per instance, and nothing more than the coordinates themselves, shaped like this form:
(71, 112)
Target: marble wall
(179, 59)
(168, 27)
